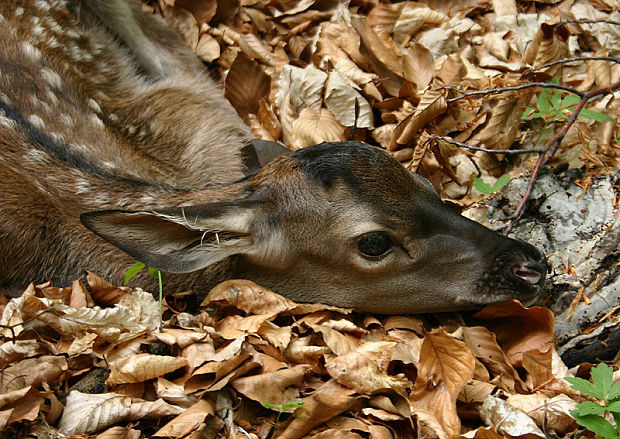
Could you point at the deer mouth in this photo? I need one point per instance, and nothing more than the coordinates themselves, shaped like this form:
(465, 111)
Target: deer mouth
(514, 275)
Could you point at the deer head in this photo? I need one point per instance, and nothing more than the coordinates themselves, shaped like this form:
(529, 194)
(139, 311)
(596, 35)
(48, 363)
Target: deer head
(338, 223)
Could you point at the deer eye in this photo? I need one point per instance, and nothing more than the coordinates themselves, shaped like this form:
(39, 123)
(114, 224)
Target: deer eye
(374, 245)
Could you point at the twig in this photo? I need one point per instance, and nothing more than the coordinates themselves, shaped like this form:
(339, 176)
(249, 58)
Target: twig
(498, 90)
(552, 145)
(590, 21)
(577, 58)
(492, 151)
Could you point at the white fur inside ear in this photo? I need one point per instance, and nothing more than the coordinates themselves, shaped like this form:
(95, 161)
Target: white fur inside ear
(236, 221)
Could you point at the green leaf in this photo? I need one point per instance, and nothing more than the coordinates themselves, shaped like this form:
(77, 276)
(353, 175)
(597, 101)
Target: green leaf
(544, 101)
(585, 386)
(283, 407)
(292, 405)
(154, 274)
(587, 408)
(486, 188)
(614, 407)
(616, 417)
(598, 425)
(483, 187)
(570, 100)
(132, 271)
(602, 376)
(596, 116)
(528, 113)
(269, 405)
(614, 393)
(501, 182)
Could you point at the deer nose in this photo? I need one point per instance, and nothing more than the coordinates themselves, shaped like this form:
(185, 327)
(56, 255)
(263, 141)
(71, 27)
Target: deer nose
(532, 272)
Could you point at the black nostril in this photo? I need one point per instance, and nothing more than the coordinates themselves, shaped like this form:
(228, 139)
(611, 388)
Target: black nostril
(530, 271)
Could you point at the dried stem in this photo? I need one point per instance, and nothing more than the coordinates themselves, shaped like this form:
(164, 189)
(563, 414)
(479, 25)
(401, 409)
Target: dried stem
(489, 150)
(575, 59)
(590, 21)
(499, 90)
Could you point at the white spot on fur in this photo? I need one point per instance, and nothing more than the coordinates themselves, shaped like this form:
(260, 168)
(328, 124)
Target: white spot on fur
(4, 99)
(7, 123)
(53, 25)
(32, 52)
(113, 117)
(52, 78)
(82, 186)
(79, 147)
(37, 30)
(108, 165)
(39, 104)
(35, 156)
(75, 53)
(42, 5)
(51, 96)
(96, 121)
(57, 137)
(71, 33)
(101, 198)
(67, 120)
(94, 105)
(36, 121)
(52, 42)
(19, 11)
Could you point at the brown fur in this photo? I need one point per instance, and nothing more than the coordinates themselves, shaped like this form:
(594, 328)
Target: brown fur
(108, 122)
(86, 93)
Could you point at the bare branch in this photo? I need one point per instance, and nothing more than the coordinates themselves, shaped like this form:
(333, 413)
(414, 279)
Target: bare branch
(590, 21)
(499, 90)
(489, 150)
(577, 58)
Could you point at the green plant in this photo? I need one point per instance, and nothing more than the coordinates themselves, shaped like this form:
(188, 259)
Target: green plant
(486, 188)
(281, 408)
(555, 105)
(155, 273)
(590, 414)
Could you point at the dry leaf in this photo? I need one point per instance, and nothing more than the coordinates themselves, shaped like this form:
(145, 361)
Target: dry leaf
(143, 367)
(519, 329)
(328, 401)
(366, 369)
(277, 387)
(432, 104)
(246, 83)
(483, 345)
(248, 297)
(191, 420)
(315, 126)
(445, 367)
(88, 413)
(508, 419)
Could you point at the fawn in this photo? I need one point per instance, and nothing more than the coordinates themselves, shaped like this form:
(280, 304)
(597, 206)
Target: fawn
(109, 124)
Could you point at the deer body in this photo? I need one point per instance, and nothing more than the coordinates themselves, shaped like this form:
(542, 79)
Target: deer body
(109, 125)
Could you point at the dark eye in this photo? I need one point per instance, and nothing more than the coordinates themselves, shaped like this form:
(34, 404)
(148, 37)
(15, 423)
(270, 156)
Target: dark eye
(374, 245)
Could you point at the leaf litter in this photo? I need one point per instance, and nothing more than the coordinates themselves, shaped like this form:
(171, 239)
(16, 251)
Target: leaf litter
(352, 375)
(87, 360)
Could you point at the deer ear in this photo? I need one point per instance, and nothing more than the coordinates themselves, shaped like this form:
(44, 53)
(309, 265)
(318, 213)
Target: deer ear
(178, 240)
